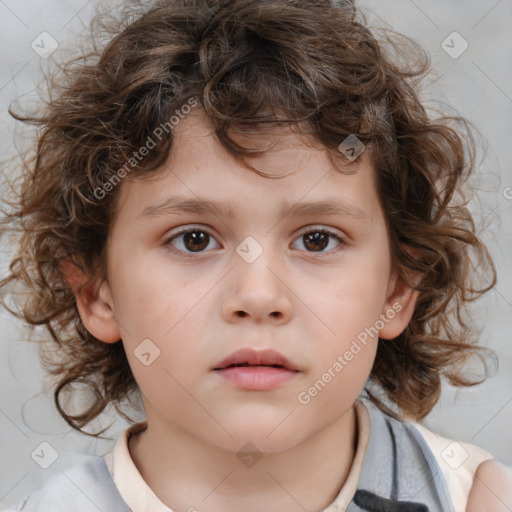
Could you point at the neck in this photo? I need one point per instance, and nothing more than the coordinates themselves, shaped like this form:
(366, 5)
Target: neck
(187, 472)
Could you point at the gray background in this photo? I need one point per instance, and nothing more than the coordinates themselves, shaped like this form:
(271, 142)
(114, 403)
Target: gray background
(478, 84)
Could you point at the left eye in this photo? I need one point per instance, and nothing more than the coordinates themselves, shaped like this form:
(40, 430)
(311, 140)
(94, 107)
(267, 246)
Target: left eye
(316, 240)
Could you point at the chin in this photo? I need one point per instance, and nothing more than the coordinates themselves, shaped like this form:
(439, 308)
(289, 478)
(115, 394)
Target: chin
(268, 436)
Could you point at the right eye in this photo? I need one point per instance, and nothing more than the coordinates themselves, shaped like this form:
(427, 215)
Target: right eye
(190, 240)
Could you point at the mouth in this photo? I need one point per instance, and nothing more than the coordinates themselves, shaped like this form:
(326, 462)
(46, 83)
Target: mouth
(252, 365)
(248, 357)
(250, 370)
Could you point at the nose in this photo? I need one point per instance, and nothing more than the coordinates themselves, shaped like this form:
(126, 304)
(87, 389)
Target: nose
(258, 292)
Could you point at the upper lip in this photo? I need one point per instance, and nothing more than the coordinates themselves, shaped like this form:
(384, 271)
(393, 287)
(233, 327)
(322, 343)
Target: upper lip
(267, 357)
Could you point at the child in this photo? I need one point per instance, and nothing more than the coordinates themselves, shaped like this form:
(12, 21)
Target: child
(241, 210)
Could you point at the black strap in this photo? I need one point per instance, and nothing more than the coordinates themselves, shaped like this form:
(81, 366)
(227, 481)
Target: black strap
(373, 503)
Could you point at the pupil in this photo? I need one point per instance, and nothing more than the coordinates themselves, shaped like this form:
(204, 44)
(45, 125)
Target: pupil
(316, 238)
(198, 240)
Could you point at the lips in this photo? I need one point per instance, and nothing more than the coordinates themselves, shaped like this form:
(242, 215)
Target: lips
(249, 357)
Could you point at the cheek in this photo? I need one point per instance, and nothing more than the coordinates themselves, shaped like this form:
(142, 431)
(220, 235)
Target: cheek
(149, 298)
(335, 384)
(348, 347)
(353, 303)
(171, 312)
(163, 318)
(346, 323)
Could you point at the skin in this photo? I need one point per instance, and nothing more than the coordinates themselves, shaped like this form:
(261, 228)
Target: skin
(199, 307)
(492, 488)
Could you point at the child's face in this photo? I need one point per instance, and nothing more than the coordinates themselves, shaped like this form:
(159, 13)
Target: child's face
(308, 299)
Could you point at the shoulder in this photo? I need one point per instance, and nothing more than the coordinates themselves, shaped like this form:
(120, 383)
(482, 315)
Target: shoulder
(82, 488)
(492, 488)
(474, 479)
(458, 462)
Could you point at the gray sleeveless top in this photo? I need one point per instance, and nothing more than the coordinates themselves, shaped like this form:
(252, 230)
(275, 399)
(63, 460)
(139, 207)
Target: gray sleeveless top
(399, 474)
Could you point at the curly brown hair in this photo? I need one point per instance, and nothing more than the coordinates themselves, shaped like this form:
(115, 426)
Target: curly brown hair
(251, 65)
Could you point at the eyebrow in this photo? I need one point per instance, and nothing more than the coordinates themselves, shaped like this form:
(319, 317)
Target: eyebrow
(177, 204)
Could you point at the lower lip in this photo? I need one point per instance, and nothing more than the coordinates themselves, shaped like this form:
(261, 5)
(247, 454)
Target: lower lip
(256, 378)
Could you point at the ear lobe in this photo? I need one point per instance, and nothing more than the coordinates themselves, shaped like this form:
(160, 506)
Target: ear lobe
(94, 303)
(401, 301)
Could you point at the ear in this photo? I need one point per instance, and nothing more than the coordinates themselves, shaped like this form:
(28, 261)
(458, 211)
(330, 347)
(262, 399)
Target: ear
(401, 300)
(94, 303)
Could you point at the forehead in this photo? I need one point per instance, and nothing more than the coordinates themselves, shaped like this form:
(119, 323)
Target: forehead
(200, 170)
(277, 144)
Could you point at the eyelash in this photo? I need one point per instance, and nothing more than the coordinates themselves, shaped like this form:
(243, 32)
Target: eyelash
(310, 229)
